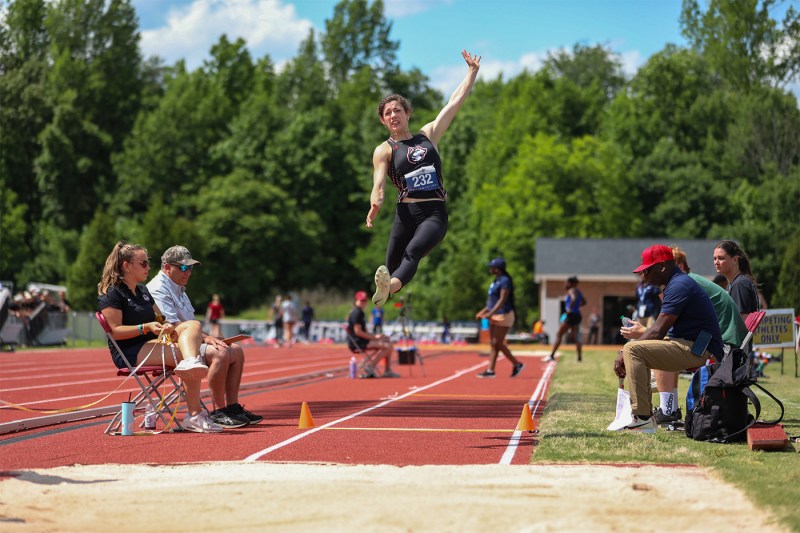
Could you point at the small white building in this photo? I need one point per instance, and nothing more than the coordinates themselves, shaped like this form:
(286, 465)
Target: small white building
(604, 270)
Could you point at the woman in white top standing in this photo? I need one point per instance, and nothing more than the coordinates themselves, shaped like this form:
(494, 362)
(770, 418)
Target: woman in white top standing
(289, 317)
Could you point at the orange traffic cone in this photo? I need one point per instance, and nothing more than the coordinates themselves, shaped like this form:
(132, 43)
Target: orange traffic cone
(306, 420)
(525, 420)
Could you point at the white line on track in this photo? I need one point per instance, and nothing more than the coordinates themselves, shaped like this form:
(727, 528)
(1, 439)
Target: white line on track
(305, 434)
(536, 399)
(273, 370)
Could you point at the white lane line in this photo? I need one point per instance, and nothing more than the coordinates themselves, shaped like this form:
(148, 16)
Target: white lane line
(305, 434)
(273, 370)
(536, 399)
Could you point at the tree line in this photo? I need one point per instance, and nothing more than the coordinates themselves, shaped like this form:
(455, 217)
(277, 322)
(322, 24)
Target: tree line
(264, 173)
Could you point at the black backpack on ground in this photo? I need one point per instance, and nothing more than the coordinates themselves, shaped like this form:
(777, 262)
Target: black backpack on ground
(716, 404)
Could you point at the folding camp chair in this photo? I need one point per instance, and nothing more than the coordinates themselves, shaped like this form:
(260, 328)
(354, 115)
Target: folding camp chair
(149, 378)
(369, 356)
(752, 321)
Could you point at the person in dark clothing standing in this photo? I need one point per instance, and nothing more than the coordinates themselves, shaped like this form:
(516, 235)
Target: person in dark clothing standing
(307, 317)
(573, 301)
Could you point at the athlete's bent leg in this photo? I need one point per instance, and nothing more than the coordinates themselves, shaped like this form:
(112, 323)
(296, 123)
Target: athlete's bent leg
(431, 228)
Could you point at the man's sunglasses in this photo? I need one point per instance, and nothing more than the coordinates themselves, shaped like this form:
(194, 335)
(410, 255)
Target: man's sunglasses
(183, 268)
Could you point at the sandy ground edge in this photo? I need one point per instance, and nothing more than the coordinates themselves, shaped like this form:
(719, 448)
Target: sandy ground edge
(227, 496)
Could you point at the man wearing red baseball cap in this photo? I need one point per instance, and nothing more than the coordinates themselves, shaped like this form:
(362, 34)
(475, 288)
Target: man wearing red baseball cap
(360, 340)
(685, 334)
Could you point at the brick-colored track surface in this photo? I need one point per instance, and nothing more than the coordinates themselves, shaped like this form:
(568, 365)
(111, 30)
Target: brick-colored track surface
(437, 413)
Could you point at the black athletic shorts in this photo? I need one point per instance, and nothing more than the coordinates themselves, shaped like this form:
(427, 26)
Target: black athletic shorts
(573, 319)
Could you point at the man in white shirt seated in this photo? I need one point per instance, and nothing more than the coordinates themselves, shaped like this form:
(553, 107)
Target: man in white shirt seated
(225, 363)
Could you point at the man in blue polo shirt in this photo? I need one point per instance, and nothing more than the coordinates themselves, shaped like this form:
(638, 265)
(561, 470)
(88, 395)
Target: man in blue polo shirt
(687, 319)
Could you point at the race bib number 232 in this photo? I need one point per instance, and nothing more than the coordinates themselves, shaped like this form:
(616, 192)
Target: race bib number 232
(422, 179)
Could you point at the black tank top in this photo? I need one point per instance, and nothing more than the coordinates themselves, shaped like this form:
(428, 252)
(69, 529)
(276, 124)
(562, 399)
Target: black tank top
(416, 169)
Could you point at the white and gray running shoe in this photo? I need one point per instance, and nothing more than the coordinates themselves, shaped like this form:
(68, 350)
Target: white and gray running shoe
(382, 282)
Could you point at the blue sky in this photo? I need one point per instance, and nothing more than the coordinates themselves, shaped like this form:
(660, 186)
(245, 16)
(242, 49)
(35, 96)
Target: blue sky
(510, 35)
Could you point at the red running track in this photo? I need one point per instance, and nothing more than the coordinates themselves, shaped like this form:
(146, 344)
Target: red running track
(438, 413)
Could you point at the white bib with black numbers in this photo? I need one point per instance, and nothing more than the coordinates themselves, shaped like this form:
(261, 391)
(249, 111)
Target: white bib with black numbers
(422, 179)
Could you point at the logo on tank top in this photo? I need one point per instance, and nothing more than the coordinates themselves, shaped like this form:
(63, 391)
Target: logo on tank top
(417, 154)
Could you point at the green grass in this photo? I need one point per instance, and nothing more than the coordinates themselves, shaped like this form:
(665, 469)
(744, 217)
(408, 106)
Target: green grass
(582, 402)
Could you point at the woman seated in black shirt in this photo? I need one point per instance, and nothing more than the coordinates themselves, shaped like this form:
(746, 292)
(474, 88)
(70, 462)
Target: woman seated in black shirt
(131, 312)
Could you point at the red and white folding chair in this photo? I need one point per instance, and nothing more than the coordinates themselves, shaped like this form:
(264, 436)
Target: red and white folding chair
(751, 322)
(149, 378)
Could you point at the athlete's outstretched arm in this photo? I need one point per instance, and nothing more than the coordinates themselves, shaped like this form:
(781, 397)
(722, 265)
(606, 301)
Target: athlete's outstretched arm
(380, 164)
(435, 130)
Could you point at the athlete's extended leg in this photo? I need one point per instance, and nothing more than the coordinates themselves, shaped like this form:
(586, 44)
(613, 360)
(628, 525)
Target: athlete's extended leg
(498, 336)
(561, 330)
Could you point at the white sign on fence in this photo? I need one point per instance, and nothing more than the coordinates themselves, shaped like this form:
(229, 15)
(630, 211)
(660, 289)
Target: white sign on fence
(776, 330)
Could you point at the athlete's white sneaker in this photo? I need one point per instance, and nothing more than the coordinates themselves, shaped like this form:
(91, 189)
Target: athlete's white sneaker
(200, 423)
(191, 369)
(382, 283)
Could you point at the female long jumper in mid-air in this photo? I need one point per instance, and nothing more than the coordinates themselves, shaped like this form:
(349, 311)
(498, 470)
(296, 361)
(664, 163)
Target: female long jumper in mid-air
(412, 163)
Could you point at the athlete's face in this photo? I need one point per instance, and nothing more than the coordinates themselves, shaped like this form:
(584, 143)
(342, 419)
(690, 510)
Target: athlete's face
(395, 117)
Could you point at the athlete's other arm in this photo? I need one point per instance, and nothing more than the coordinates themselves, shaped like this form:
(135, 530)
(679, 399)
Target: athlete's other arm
(435, 130)
(380, 164)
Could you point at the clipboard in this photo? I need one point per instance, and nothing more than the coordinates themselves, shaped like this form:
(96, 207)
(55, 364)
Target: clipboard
(236, 338)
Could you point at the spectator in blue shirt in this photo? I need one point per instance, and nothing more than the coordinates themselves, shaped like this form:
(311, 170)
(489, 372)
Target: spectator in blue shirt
(571, 318)
(647, 303)
(499, 311)
(687, 317)
(377, 320)
(307, 317)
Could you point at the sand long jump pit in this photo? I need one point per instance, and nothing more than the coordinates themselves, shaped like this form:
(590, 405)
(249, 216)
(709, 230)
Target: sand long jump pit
(261, 496)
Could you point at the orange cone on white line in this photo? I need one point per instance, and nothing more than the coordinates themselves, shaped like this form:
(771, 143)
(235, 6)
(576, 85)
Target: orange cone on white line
(525, 420)
(306, 420)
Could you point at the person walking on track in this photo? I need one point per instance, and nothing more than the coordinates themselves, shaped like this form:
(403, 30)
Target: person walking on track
(413, 165)
(500, 312)
(573, 301)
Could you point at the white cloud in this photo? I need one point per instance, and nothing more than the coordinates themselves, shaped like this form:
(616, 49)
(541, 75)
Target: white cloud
(447, 78)
(405, 8)
(631, 62)
(268, 27)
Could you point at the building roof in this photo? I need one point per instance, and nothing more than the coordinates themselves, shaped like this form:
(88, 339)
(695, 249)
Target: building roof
(611, 259)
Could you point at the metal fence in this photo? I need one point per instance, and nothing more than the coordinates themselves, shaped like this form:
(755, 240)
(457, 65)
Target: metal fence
(67, 328)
